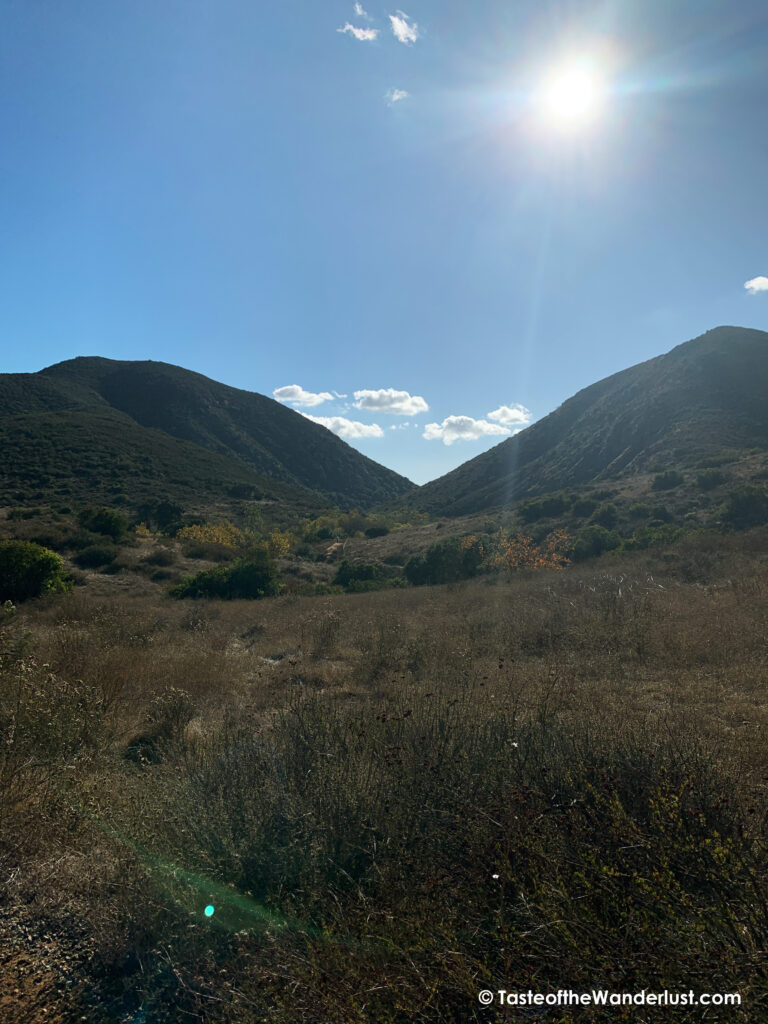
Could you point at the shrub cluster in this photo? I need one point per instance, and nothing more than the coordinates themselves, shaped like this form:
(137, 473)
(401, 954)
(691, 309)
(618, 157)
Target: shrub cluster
(448, 561)
(105, 521)
(667, 480)
(252, 577)
(28, 570)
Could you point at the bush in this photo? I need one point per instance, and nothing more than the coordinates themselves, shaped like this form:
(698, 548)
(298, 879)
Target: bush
(96, 555)
(350, 574)
(592, 541)
(584, 507)
(377, 531)
(251, 578)
(746, 506)
(28, 570)
(666, 481)
(652, 536)
(445, 562)
(161, 557)
(606, 516)
(708, 479)
(541, 508)
(160, 515)
(662, 514)
(640, 510)
(105, 521)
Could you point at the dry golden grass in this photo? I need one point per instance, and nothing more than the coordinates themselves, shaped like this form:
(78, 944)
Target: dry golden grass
(344, 776)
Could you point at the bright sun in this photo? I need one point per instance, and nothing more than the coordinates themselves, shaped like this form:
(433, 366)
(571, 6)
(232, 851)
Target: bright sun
(572, 96)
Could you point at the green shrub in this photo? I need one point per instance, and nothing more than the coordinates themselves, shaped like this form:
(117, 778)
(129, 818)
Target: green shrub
(24, 513)
(606, 516)
(640, 510)
(377, 531)
(252, 577)
(592, 541)
(662, 514)
(105, 521)
(746, 506)
(666, 481)
(708, 479)
(96, 555)
(351, 573)
(543, 508)
(652, 536)
(28, 570)
(160, 515)
(445, 562)
(584, 507)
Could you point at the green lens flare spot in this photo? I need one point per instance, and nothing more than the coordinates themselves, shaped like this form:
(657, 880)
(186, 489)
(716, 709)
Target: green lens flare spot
(209, 910)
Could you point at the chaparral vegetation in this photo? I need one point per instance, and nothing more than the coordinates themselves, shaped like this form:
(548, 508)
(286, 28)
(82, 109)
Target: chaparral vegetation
(331, 805)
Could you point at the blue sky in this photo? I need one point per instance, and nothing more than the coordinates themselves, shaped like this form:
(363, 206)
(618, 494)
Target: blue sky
(242, 189)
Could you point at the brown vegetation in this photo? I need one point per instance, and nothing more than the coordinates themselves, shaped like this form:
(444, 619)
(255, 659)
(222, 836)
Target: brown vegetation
(394, 799)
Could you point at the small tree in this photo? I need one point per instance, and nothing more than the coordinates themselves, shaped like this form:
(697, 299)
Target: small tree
(29, 570)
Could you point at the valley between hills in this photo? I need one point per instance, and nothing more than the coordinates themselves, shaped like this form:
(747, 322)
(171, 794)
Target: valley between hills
(286, 738)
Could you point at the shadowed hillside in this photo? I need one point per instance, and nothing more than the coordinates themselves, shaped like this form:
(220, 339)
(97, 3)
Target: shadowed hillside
(142, 423)
(704, 399)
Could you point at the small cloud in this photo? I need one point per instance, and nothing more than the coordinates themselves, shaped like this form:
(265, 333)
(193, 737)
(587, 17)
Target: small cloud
(361, 12)
(393, 96)
(296, 395)
(350, 430)
(402, 426)
(462, 428)
(363, 34)
(395, 403)
(511, 416)
(405, 30)
(757, 284)
(336, 394)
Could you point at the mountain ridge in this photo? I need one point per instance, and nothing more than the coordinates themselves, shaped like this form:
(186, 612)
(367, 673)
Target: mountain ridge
(250, 431)
(653, 413)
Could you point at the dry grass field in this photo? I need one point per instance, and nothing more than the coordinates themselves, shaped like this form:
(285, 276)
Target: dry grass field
(391, 800)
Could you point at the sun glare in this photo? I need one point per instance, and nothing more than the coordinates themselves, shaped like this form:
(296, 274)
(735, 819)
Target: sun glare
(572, 96)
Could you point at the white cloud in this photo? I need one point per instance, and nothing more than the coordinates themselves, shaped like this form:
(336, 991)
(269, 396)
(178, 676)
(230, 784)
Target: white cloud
(511, 416)
(462, 428)
(396, 403)
(405, 30)
(393, 96)
(361, 12)
(363, 34)
(338, 395)
(296, 395)
(348, 429)
(757, 284)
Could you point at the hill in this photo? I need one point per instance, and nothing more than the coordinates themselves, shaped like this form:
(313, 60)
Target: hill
(103, 427)
(702, 402)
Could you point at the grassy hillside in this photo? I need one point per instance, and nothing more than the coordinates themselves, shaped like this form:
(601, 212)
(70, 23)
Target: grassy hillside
(704, 400)
(77, 424)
